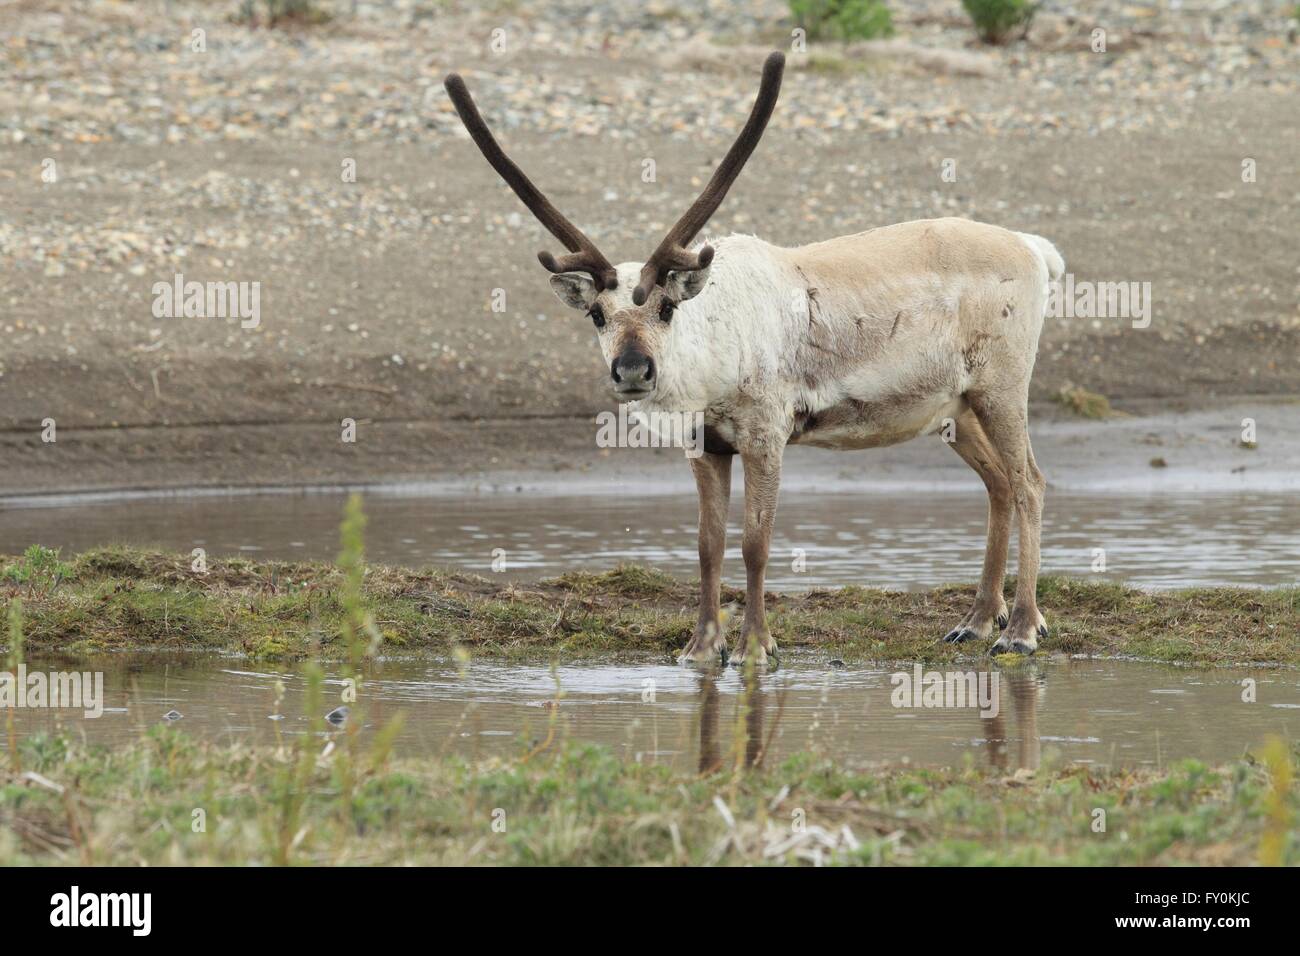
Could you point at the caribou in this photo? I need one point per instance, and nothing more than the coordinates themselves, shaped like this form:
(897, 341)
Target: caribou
(861, 341)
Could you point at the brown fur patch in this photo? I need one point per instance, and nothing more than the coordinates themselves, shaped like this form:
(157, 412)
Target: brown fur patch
(975, 354)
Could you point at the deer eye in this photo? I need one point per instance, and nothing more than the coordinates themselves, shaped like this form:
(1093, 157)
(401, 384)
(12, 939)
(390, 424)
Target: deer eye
(666, 310)
(598, 316)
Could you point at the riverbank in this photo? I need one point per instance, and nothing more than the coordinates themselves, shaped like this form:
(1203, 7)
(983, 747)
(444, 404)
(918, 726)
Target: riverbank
(1144, 446)
(169, 800)
(125, 599)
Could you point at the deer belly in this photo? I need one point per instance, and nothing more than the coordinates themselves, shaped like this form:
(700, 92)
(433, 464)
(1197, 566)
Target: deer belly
(874, 424)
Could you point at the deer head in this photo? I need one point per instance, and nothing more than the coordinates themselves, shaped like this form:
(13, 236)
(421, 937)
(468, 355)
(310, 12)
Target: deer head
(631, 305)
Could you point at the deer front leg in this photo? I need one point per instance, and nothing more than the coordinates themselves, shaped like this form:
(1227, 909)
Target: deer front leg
(713, 482)
(762, 481)
(1006, 422)
(990, 608)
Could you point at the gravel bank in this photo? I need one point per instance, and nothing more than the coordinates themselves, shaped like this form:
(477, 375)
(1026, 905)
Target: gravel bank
(225, 165)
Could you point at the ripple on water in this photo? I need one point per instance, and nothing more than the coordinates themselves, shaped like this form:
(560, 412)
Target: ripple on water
(891, 541)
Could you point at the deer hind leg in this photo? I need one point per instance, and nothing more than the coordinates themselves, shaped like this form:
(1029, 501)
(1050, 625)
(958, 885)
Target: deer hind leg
(762, 483)
(990, 606)
(713, 482)
(1006, 423)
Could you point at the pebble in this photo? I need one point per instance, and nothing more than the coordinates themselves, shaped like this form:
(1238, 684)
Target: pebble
(122, 73)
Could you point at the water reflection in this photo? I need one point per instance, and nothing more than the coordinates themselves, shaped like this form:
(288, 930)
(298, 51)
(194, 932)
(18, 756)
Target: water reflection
(1110, 713)
(710, 757)
(1025, 687)
(1010, 732)
(746, 743)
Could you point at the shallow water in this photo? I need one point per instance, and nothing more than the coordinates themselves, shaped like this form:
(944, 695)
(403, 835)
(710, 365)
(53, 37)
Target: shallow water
(891, 541)
(1103, 712)
(1111, 713)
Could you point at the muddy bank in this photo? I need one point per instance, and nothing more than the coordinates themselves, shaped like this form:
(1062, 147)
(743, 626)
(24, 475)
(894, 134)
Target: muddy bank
(1151, 446)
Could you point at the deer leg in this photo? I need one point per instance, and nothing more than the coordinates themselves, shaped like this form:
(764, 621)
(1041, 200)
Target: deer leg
(990, 607)
(713, 483)
(762, 482)
(1007, 426)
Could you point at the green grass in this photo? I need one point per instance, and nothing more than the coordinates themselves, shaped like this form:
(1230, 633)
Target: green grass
(38, 566)
(842, 19)
(571, 804)
(120, 598)
(168, 799)
(995, 21)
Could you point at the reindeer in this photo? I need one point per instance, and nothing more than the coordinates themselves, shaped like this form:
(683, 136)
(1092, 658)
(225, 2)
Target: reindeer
(857, 342)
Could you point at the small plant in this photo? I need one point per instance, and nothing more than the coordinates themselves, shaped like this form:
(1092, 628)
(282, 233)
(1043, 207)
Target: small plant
(1277, 808)
(39, 566)
(360, 635)
(996, 20)
(1084, 403)
(14, 615)
(271, 13)
(842, 19)
(293, 776)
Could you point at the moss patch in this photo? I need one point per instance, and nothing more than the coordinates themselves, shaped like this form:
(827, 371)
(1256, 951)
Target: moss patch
(129, 599)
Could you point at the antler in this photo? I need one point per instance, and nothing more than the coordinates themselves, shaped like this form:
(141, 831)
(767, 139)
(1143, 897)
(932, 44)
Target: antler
(672, 253)
(584, 256)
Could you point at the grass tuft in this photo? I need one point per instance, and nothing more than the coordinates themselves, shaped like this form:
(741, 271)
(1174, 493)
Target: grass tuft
(1084, 403)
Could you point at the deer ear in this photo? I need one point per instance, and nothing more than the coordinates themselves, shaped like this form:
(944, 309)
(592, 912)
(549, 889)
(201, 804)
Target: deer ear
(577, 290)
(683, 284)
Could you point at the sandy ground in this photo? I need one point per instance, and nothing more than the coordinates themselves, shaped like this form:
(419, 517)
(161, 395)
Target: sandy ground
(376, 294)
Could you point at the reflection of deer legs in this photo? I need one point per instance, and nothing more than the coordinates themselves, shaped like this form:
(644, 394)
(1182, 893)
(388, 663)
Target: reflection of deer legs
(1024, 693)
(751, 700)
(709, 758)
(995, 732)
(1024, 698)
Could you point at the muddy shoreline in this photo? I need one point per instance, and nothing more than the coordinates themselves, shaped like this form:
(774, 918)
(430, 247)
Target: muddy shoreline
(1151, 446)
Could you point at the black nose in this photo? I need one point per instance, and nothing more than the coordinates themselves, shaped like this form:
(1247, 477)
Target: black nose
(632, 371)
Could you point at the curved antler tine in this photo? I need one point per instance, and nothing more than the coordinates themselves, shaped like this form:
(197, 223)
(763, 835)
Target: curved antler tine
(673, 248)
(648, 279)
(585, 256)
(653, 273)
(606, 276)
